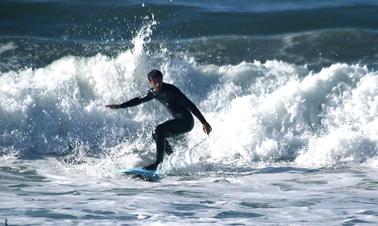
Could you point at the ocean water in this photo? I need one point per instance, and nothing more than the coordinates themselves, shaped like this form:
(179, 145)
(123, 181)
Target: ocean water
(289, 87)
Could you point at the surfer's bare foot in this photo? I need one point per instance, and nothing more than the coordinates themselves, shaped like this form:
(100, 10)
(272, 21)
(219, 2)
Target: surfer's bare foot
(151, 167)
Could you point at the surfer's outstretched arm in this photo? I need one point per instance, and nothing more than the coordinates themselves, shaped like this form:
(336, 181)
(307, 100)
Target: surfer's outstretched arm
(131, 103)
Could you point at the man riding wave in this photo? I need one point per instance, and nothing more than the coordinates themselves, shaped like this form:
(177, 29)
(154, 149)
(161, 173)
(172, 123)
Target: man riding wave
(177, 104)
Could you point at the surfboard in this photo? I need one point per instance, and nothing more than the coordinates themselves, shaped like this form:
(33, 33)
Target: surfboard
(139, 172)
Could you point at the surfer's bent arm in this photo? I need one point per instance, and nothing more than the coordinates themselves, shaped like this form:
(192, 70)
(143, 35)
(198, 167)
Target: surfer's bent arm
(196, 112)
(193, 108)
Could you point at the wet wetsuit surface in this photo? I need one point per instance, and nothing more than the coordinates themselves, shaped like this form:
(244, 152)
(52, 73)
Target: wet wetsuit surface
(179, 106)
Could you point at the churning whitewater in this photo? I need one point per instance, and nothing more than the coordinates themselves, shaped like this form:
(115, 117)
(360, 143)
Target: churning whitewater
(261, 112)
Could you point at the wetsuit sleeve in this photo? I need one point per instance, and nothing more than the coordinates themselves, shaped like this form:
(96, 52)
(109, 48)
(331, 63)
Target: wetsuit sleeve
(136, 101)
(193, 108)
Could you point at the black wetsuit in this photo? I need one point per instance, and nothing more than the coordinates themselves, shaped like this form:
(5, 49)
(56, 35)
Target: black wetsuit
(179, 106)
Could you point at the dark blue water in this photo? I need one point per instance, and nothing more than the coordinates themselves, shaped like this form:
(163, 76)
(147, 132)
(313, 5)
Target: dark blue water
(316, 33)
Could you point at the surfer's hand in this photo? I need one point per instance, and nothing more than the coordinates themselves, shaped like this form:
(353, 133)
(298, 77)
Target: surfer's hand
(112, 106)
(206, 128)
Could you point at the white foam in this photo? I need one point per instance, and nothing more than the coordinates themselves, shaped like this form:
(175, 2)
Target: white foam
(260, 111)
(350, 121)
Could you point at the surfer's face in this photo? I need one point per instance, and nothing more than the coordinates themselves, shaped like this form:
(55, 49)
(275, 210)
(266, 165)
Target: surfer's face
(156, 83)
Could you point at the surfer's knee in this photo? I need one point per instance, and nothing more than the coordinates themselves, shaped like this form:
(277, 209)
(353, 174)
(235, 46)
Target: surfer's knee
(159, 131)
(162, 131)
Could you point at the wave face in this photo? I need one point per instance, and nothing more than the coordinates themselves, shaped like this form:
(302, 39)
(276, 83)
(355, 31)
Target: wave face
(261, 112)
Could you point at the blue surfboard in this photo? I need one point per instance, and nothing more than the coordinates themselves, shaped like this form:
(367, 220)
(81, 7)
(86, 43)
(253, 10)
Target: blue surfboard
(139, 172)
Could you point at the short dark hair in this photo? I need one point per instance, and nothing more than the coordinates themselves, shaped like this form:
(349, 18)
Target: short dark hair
(154, 74)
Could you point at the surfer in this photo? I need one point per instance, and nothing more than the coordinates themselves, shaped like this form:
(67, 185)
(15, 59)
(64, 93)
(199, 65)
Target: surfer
(177, 104)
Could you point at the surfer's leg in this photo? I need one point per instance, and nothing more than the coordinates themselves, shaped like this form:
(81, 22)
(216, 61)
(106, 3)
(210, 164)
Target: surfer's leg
(167, 146)
(159, 137)
(167, 129)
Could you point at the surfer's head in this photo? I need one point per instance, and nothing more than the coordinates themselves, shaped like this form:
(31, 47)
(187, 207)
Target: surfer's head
(155, 78)
(154, 74)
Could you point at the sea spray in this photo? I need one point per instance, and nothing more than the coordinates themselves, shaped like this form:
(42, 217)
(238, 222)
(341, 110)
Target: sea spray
(281, 121)
(44, 109)
(261, 112)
